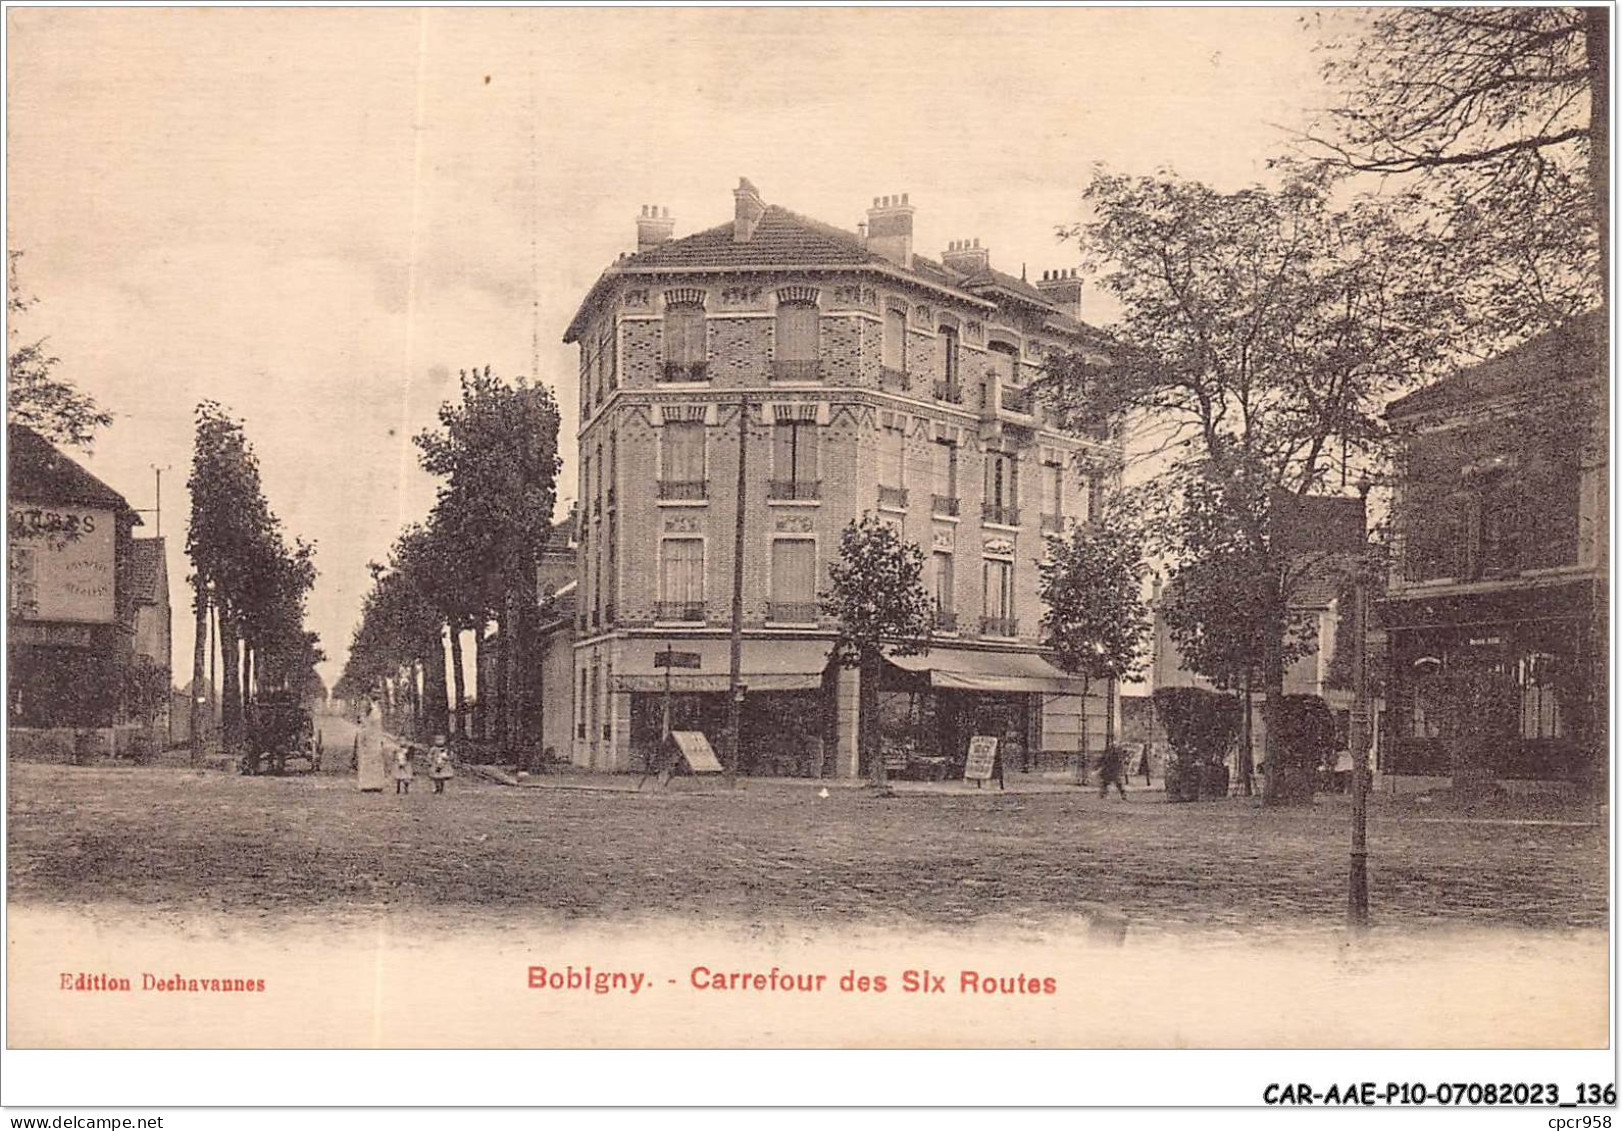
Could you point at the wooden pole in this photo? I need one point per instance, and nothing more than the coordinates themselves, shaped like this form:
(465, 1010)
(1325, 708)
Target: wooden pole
(1357, 896)
(735, 673)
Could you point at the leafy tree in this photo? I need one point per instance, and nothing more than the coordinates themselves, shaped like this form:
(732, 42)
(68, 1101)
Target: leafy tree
(1095, 621)
(1502, 115)
(36, 395)
(1264, 330)
(1222, 600)
(876, 592)
(496, 450)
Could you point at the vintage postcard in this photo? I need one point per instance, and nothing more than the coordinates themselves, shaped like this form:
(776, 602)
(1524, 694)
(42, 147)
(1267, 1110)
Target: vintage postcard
(871, 528)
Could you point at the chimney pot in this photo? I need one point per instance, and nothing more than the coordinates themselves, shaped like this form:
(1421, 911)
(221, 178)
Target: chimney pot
(903, 198)
(652, 229)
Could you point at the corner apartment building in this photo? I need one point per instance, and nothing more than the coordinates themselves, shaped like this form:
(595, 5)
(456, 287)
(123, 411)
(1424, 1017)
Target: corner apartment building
(852, 374)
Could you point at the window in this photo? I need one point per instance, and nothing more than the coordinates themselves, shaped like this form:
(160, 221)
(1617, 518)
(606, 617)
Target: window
(681, 579)
(941, 580)
(580, 712)
(998, 583)
(892, 457)
(797, 324)
(685, 350)
(948, 354)
(608, 700)
(1539, 677)
(585, 485)
(794, 460)
(596, 683)
(605, 359)
(794, 580)
(599, 489)
(944, 474)
(1003, 363)
(613, 467)
(1052, 497)
(682, 454)
(895, 340)
(1002, 489)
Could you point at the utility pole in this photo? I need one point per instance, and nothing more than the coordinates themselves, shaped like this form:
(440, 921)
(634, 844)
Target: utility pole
(734, 682)
(1357, 895)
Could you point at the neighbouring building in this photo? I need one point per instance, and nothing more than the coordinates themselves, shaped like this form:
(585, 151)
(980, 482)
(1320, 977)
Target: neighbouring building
(855, 375)
(71, 605)
(1496, 610)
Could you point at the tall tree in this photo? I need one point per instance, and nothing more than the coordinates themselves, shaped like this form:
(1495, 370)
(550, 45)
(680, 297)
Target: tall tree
(1095, 618)
(876, 592)
(1265, 329)
(36, 395)
(1502, 115)
(496, 452)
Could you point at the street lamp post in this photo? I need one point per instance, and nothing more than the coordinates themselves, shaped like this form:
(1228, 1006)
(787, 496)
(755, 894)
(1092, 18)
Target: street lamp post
(1357, 896)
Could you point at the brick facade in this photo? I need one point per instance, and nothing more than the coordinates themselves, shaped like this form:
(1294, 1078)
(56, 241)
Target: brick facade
(849, 400)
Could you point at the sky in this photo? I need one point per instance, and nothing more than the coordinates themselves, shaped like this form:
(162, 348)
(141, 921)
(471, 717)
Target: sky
(317, 216)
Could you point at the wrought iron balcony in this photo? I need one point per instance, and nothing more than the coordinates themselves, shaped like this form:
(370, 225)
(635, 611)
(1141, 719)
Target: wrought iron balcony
(949, 391)
(893, 497)
(810, 370)
(894, 380)
(793, 612)
(684, 490)
(681, 612)
(999, 626)
(795, 490)
(944, 504)
(945, 620)
(685, 371)
(1002, 516)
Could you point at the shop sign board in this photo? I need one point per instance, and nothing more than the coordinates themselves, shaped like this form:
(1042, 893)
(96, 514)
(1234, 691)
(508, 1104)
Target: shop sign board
(982, 757)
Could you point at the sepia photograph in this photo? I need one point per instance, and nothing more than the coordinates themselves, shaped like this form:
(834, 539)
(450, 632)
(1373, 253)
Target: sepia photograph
(788, 528)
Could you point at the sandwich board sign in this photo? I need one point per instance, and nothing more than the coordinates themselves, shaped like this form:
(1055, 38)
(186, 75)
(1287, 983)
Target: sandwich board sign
(982, 758)
(696, 750)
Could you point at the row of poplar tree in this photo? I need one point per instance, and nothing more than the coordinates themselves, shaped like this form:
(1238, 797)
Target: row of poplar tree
(468, 570)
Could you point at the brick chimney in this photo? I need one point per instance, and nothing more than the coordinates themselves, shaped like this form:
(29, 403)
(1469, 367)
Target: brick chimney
(889, 229)
(653, 227)
(966, 257)
(1063, 290)
(748, 208)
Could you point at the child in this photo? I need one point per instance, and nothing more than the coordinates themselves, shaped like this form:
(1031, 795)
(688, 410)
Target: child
(402, 770)
(439, 764)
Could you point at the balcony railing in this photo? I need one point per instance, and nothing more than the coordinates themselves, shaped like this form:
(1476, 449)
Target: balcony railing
(684, 490)
(999, 626)
(1002, 516)
(894, 380)
(1017, 400)
(793, 612)
(681, 612)
(944, 504)
(797, 370)
(1052, 523)
(949, 391)
(684, 371)
(795, 490)
(945, 620)
(895, 497)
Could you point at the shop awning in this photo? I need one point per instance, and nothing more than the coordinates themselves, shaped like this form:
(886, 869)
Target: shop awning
(767, 665)
(959, 669)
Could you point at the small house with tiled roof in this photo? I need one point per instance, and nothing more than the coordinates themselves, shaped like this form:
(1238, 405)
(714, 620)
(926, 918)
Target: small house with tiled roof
(71, 596)
(848, 373)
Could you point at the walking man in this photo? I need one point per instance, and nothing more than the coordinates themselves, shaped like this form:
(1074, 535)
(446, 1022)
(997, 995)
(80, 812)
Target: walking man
(1109, 772)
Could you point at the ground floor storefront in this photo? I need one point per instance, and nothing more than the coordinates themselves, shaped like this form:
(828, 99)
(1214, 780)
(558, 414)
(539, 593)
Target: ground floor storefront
(799, 712)
(1501, 684)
